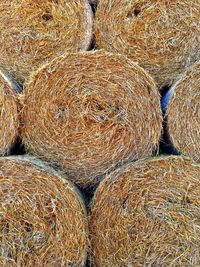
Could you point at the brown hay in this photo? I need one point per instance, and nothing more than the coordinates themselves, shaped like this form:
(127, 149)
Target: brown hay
(148, 214)
(9, 262)
(43, 220)
(88, 112)
(183, 113)
(9, 112)
(163, 36)
(34, 32)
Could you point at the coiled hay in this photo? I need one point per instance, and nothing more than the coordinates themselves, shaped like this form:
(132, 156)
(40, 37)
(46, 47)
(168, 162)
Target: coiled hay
(163, 36)
(43, 219)
(147, 214)
(34, 32)
(9, 112)
(183, 113)
(87, 112)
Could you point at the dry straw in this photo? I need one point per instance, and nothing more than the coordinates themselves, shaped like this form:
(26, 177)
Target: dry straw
(34, 32)
(43, 220)
(163, 36)
(183, 113)
(147, 214)
(9, 111)
(88, 112)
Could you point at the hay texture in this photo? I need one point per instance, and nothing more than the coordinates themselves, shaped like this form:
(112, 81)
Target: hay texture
(163, 36)
(147, 214)
(43, 220)
(9, 111)
(34, 32)
(183, 113)
(88, 112)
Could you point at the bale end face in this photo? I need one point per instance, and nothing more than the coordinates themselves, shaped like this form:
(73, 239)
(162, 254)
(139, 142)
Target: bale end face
(183, 113)
(147, 214)
(163, 36)
(103, 112)
(42, 30)
(43, 219)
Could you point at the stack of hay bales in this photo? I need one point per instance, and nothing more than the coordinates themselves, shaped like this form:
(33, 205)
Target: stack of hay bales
(90, 114)
(102, 110)
(163, 36)
(147, 214)
(34, 32)
(43, 219)
(9, 111)
(182, 110)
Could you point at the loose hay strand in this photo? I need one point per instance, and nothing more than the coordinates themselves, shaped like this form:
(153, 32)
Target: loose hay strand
(162, 36)
(147, 214)
(43, 218)
(102, 110)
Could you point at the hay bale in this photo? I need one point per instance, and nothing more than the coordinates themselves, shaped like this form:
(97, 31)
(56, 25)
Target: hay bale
(87, 112)
(147, 214)
(182, 107)
(34, 32)
(43, 219)
(9, 111)
(163, 36)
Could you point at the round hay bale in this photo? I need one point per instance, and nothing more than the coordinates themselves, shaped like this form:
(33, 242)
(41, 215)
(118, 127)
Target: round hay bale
(9, 112)
(101, 110)
(163, 36)
(147, 214)
(34, 32)
(182, 107)
(43, 219)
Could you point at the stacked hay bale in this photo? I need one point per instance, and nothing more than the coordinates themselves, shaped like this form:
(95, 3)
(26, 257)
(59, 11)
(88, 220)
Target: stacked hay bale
(147, 214)
(182, 112)
(90, 111)
(9, 111)
(43, 220)
(163, 36)
(34, 32)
